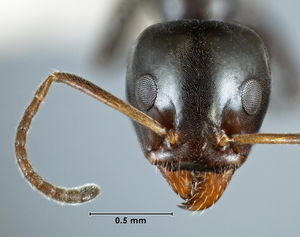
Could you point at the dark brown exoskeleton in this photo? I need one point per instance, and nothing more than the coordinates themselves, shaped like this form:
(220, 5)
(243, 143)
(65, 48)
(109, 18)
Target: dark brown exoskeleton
(202, 80)
(198, 93)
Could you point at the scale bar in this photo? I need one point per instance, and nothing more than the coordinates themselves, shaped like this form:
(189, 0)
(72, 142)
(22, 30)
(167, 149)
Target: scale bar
(131, 213)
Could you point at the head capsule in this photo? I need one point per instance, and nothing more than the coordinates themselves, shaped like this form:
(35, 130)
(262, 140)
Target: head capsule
(202, 79)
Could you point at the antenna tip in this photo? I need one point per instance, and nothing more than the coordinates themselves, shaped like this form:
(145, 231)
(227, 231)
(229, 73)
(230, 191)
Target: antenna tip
(89, 192)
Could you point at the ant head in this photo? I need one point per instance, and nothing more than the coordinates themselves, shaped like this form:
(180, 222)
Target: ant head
(203, 80)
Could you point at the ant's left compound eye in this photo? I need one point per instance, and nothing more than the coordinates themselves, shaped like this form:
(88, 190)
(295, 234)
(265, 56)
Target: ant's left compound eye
(145, 92)
(251, 94)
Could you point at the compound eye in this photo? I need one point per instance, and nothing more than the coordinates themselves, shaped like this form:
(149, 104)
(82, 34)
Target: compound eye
(251, 94)
(145, 92)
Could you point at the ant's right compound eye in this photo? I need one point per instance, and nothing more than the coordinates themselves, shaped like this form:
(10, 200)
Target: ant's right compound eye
(145, 92)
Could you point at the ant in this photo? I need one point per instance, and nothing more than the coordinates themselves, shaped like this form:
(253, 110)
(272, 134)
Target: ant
(198, 91)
